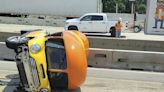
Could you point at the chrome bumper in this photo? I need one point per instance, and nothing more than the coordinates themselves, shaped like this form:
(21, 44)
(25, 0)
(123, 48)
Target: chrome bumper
(28, 71)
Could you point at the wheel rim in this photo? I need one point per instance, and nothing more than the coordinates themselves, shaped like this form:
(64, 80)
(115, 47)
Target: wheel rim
(136, 29)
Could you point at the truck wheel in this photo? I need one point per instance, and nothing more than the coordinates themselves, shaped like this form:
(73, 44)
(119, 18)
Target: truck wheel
(137, 29)
(15, 41)
(113, 32)
(72, 28)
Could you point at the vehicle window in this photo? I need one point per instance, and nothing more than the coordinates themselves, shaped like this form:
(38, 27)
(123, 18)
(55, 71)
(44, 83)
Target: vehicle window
(97, 18)
(86, 18)
(55, 53)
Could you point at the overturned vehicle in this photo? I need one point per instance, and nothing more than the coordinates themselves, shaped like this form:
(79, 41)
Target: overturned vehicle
(48, 61)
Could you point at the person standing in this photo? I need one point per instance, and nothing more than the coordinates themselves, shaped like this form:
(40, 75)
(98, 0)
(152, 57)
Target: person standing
(118, 27)
(159, 14)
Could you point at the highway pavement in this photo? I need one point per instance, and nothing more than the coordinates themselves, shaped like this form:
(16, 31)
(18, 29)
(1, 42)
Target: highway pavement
(98, 80)
(15, 28)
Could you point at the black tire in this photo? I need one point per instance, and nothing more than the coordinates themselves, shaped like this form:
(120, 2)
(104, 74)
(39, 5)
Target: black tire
(72, 28)
(137, 29)
(113, 32)
(26, 31)
(13, 42)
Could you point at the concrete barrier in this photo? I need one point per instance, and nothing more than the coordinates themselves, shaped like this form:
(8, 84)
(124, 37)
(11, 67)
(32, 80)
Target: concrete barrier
(126, 44)
(34, 21)
(5, 35)
(130, 54)
(127, 17)
(112, 43)
(110, 58)
(126, 59)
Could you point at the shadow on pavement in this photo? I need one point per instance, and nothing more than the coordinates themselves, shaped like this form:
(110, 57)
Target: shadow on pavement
(60, 90)
(10, 82)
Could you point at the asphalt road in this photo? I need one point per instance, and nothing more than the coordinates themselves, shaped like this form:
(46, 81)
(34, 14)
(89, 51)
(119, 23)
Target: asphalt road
(99, 80)
(6, 53)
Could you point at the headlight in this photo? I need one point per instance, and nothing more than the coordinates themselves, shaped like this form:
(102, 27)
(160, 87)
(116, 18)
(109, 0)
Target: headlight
(35, 48)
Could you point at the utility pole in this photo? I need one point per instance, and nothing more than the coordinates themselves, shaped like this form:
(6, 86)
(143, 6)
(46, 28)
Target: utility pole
(116, 7)
(133, 12)
(132, 7)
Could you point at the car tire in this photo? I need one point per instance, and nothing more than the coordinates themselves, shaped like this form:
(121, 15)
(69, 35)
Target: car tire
(137, 29)
(13, 42)
(72, 28)
(113, 32)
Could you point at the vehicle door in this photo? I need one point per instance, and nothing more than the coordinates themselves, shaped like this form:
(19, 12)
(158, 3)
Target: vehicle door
(98, 23)
(85, 24)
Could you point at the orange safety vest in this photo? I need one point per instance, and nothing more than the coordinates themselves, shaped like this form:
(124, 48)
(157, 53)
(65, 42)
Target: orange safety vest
(160, 11)
(118, 27)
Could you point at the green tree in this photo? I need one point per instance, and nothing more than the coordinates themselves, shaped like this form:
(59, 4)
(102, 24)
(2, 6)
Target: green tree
(109, 6)
(124, 6)
(142, 9)
(121, 8)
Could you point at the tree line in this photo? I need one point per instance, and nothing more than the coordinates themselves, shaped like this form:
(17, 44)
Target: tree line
(124, 6)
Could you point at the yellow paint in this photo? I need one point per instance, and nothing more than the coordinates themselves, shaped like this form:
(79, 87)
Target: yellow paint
(76, 45)
(40, 58)
(36, 34)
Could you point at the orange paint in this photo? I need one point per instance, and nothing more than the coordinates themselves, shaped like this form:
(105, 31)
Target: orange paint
(77, 50)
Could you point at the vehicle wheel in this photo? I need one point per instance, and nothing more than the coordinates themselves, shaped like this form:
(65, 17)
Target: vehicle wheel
(113, 32)
(137, 29)
(72, 28)
(15, 41)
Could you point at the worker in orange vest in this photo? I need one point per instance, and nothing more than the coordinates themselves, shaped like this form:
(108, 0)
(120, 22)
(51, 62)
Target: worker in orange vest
(118, 27)
(159, 16)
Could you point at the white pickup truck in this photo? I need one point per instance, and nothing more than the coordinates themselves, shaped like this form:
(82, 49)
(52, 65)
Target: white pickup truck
(94, 23)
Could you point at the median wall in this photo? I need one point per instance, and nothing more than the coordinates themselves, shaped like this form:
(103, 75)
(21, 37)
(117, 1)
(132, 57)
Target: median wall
(126, 59)
(126, 44)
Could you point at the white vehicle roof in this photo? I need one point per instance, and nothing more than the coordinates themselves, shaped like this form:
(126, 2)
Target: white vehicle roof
(103, 14)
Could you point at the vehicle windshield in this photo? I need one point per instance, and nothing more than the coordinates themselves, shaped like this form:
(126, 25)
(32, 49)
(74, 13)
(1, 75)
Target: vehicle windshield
(56, 55)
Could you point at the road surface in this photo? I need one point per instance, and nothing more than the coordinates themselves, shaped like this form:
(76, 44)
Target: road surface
(15, 28)
(98, 80)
